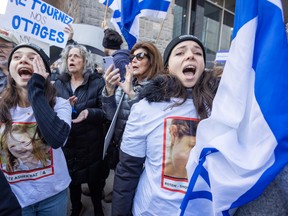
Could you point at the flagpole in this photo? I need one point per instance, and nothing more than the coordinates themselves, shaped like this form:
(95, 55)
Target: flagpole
(106, 10)
(162, 24)
(104, 24)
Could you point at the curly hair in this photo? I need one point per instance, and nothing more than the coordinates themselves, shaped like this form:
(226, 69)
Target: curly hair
(86, 55)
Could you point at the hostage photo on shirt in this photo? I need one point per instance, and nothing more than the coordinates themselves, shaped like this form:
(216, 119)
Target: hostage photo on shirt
(24, 156)
(179, 139)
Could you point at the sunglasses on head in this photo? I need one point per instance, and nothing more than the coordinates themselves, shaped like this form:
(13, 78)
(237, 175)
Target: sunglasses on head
(139, 56)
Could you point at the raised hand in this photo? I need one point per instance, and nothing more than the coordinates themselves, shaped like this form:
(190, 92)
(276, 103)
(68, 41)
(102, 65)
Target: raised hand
(39, 67)
(112, 79)
(127, 85)
(69, 30)
(81, 117)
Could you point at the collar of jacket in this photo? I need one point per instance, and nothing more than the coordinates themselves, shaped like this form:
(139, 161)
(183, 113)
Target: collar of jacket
(66, 77)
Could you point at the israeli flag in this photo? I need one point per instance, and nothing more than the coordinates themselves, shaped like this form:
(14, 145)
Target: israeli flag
(156, 9)
(127, 12)
(242, 147)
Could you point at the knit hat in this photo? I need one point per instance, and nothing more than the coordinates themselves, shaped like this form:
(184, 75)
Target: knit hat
(8, 36)
(41, 52)
(178, 40)
(112, 39)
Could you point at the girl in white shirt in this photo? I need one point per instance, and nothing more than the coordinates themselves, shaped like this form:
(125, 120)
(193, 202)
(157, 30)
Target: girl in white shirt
(185, 94)
(30, 101)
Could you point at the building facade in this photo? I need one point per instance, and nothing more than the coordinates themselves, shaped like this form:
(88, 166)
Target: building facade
(210, 20)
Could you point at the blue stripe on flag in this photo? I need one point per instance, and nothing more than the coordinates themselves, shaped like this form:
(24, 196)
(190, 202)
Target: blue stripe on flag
(243, 18)
(199, 171)
(109, 2)
(127, 19)
(130, 9)
(270, 87)
(130, 38)
(159, 5)
(116, 14)
(270, 54)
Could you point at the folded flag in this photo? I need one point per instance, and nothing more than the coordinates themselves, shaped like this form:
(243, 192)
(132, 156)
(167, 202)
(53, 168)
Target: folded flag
(127, 12)
(243, 145)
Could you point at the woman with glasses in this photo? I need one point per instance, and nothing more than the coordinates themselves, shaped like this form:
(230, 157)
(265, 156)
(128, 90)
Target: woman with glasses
(146, 63)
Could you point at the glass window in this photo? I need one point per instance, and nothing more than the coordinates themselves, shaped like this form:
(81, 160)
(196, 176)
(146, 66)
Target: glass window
(230, 5)
(180, 17)
(211, 29)
(227, 28)
(218, 2)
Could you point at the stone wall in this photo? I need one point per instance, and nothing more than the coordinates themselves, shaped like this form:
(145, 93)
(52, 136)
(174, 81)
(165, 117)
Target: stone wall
(92, 12)
(71, 7)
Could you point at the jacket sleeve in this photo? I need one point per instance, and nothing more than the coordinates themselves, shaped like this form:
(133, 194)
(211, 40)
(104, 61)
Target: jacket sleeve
(96, 115)
(9, 205)
(54, 130)
(109, 104)
(127, 175)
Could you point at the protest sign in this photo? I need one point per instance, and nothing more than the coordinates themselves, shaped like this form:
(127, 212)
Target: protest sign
(37, 19)
(222, 56)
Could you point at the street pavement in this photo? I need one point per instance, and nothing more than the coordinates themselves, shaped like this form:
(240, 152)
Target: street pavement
(86, 200)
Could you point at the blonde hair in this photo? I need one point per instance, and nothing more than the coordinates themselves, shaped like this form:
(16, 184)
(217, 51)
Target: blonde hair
(38, 146)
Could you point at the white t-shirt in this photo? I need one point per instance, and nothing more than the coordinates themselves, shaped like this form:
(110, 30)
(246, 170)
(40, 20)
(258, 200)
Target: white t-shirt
(148, 133)
(34, 170)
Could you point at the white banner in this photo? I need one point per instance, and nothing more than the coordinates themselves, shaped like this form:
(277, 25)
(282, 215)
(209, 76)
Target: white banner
(3, 6)
(37, 19)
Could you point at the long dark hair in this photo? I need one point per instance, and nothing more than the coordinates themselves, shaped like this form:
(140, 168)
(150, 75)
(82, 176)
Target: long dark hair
(167, 86)
(10, 97)
(203, 94)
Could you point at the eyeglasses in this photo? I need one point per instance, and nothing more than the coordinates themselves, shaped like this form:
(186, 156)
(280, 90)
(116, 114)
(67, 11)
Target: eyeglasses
(139, 56)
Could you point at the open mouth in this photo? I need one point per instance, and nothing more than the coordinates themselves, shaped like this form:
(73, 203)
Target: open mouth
(24, 72)
(189, 69)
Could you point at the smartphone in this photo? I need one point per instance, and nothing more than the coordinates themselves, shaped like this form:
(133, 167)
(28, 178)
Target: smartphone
(107, 61)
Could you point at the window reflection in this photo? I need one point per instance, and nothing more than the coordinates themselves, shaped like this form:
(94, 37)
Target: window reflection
(218, 2)
(180, 17)
(228, 23)
(211, 30)
(210, 20)
(230, 5)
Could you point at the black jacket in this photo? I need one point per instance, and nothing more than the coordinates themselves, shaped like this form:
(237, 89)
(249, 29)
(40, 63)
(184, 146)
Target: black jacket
(84, 147)
(9, 205)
